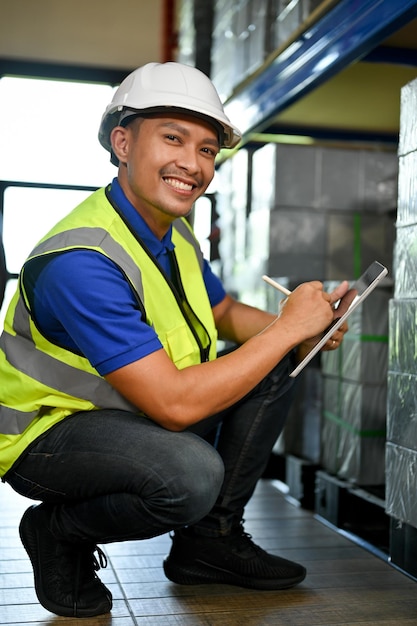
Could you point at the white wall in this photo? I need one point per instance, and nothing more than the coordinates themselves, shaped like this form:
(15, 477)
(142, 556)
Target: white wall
(89, 32)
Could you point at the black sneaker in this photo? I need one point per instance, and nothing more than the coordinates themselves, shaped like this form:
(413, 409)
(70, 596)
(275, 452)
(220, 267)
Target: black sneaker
(231, 560)
(65, 573)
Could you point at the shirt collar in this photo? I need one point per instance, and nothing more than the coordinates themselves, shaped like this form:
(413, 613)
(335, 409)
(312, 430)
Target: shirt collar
(156, 246)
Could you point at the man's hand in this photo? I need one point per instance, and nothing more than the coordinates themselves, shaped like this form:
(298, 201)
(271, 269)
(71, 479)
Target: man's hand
(307, 311)
(335, 341)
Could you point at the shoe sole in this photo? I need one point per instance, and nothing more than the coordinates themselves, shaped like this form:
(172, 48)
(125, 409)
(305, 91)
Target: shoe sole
(206, 574)
(29, 538)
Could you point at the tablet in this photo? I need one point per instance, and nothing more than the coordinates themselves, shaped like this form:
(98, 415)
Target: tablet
(346, 305)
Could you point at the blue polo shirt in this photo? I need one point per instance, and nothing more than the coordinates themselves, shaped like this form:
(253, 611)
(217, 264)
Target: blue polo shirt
(81, 300)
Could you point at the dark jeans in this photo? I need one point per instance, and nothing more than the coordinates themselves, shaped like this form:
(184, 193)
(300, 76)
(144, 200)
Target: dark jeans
(114, 476)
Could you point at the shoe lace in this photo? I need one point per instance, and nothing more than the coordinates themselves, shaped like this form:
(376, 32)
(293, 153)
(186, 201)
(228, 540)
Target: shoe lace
(89, 563)
(242, 542)
(99, 561)
(79, 564)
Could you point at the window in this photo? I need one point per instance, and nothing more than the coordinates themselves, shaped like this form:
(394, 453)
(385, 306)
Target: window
(48, 131)
(50, 159)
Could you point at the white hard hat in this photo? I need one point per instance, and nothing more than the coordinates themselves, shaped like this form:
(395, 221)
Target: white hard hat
(158, 87)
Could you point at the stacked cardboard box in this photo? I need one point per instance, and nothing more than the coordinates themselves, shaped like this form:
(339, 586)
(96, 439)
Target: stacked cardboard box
(321, 213)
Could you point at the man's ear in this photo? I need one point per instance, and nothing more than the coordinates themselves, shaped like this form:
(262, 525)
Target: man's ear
(119, 138)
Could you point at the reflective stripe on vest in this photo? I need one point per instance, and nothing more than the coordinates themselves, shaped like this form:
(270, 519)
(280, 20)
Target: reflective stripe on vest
(23, 354)
(85, 236)
(88, 237)
(14, 422)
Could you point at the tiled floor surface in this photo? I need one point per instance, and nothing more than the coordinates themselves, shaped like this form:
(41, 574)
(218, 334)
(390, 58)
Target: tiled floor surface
(345, 584)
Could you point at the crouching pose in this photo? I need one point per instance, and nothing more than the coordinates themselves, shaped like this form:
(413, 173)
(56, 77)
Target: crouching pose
(115, 411)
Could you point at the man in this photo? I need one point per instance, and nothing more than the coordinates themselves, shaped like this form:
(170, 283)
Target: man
(115, 411)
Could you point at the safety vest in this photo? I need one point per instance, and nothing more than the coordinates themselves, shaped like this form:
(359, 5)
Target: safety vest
(42, 383)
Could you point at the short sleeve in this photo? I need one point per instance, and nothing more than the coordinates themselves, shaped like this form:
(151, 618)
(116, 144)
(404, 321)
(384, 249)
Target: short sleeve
(82, 301)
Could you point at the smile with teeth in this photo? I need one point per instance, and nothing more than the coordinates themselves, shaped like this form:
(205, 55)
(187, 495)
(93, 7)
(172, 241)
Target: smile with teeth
(178, 184)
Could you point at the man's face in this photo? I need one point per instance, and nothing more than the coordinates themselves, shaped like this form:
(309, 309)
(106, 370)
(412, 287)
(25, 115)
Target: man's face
(166, 164)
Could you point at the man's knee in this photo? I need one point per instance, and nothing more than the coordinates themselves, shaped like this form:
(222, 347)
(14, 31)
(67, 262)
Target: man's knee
(198, 480)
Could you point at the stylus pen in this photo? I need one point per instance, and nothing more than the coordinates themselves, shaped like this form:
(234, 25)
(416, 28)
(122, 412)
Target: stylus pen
(280, 288)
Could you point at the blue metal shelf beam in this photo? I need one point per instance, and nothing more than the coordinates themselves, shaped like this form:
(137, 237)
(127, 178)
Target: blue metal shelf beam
(347, 33)
(335, 134)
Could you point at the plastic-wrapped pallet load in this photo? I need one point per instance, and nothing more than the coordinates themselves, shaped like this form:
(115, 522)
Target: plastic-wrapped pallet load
(239, 41)
(318, 220)
(401, 501)
(314, 229)
(354, 395)
(401, 453)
